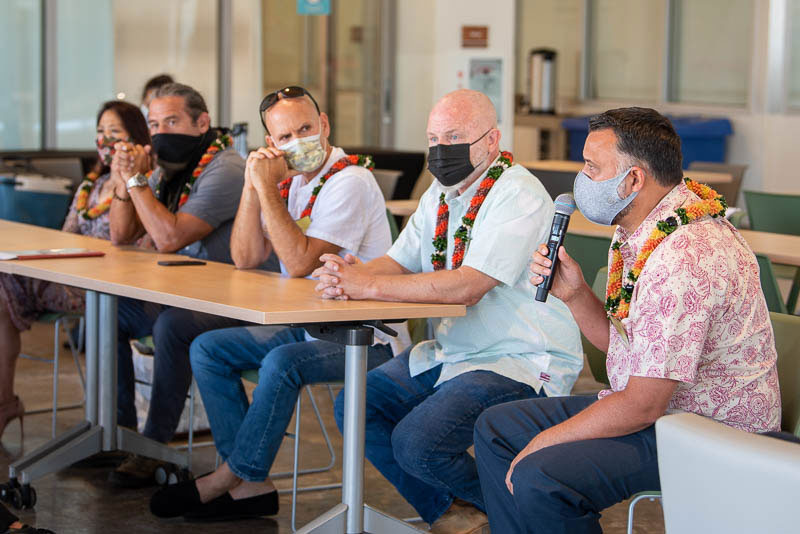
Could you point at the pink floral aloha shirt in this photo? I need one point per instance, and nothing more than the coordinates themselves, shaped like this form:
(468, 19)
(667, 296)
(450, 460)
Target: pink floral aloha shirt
(698, 316)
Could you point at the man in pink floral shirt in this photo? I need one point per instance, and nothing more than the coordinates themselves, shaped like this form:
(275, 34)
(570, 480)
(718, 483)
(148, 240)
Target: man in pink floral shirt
(698, 317)
(685, 326)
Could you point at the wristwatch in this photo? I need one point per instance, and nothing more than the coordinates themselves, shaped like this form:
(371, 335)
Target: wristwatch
(137, 180)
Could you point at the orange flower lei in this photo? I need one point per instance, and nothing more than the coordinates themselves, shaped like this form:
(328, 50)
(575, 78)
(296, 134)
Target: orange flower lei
(81, 203)
(220, 143)
(461, 236)
(618, 296)
(356, 159)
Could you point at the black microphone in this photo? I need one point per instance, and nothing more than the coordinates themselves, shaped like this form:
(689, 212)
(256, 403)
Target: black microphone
(565, 205)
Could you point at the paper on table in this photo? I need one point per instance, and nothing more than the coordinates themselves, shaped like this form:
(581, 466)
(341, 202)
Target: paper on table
(49, 253)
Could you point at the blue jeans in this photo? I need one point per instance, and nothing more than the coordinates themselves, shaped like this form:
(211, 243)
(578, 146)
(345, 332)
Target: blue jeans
(560, 489)
(417, 435)
(173, 330)
(248, 436)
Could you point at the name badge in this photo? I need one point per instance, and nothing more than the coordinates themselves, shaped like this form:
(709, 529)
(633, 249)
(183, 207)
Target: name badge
(621, 330)
(304, 223)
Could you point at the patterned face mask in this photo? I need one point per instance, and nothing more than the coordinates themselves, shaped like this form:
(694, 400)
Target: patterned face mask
(105, 148)
(304, 154)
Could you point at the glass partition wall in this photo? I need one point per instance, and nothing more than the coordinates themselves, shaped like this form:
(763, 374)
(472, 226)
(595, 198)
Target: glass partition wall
(107, 49)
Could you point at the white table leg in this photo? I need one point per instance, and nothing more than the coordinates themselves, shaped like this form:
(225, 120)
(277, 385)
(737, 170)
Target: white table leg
(353, 516)
(108, 370)
(92, 365)
(99, 431)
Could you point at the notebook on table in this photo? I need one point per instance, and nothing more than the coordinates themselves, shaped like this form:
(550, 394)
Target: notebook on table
(47, 253)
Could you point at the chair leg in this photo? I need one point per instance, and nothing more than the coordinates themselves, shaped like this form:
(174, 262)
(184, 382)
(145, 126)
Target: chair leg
(791, 301)
(634, 501)
(328, 444)
(56, 351)
(296, 463)
(76, 350)
(191, 423)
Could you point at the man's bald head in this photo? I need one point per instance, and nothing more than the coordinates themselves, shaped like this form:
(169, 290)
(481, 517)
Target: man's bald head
(468, 108)
(466, 116)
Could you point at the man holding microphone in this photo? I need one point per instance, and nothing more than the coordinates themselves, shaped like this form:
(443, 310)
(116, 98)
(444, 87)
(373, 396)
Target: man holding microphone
(685, 326)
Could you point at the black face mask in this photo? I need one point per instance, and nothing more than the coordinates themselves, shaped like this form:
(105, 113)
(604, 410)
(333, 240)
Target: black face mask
(450, 164)
(176, 148)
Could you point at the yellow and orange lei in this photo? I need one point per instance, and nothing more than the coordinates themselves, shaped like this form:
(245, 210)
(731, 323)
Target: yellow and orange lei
(618, 295)
(81, 203)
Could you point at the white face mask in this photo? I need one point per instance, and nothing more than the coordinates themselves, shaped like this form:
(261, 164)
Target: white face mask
(304, 154)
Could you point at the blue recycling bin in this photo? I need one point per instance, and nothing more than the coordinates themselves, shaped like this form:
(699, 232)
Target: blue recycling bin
(702, 139)
(22, 201)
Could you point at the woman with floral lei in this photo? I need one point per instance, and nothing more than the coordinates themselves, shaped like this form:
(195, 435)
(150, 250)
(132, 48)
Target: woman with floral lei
(23, 299)
(684, 323)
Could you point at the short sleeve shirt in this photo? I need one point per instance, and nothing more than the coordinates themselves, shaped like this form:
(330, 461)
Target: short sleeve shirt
(214, 198)
(349, 211)
(507, 332)
(698, 316)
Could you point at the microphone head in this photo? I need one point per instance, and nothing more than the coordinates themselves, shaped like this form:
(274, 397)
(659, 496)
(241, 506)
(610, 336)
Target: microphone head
(565, 204)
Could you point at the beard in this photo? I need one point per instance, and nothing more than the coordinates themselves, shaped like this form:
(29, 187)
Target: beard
(623, 213)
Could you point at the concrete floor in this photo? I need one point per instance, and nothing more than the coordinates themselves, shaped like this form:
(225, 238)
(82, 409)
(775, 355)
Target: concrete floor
(81, 501)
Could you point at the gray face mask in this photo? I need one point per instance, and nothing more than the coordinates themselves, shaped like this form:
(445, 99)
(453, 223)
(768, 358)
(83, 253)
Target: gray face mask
(599, 201)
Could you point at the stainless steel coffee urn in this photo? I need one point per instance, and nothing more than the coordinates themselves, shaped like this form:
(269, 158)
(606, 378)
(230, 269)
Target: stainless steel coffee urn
(542, 80)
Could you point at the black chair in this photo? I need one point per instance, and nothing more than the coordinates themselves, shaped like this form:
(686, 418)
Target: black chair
(409, 163)
(556, 182)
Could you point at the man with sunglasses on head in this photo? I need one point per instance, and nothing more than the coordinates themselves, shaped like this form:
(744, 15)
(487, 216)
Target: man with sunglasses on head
(469, 242)
(302, 199)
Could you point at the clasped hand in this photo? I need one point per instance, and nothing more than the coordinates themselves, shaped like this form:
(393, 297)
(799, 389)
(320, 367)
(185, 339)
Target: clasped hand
(130, 159)
(342, 278)
(266, 167)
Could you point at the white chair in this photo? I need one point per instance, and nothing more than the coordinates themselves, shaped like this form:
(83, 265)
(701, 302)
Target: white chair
(715, 478)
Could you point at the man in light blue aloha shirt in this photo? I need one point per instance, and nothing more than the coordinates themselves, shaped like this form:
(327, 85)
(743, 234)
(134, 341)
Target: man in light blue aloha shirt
(422, 404)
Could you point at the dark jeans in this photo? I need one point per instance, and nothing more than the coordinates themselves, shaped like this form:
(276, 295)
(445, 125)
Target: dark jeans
(417, 435)
(173, 330)
(559, 489)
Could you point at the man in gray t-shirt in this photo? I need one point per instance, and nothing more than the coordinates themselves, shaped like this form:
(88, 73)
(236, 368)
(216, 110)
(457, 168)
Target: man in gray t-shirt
(187, 206)
(214, 199)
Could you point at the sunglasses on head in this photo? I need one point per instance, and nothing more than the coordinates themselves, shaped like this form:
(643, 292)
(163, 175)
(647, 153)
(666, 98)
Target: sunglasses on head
(293, 91)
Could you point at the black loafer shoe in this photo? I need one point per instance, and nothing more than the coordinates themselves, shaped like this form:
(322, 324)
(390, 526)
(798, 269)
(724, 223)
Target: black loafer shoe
(225, 508)
(175, 500)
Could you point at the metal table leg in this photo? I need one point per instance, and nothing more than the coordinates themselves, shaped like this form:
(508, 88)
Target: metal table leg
(99, 432)
(352, 516)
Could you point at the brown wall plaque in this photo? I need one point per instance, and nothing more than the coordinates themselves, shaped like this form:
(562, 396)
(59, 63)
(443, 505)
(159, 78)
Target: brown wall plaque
(474, 36)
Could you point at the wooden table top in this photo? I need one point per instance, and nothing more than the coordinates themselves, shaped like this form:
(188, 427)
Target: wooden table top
(574, 167)
(215, 288)
(779, 248)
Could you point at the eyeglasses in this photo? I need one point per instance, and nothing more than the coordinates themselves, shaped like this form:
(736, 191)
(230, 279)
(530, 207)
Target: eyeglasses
(293, 91)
